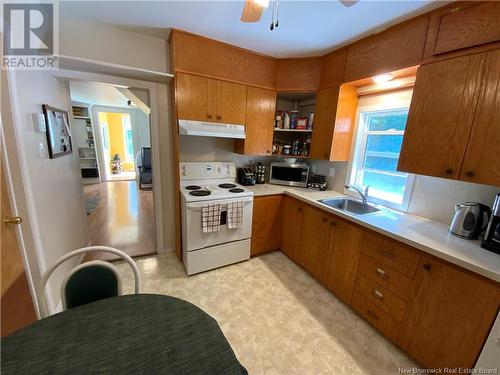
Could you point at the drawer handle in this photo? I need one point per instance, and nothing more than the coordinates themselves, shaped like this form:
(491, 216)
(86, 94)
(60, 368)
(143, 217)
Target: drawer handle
(372, 314)
(381, 273)
(387, 254)
(378, 295)
(427, 267)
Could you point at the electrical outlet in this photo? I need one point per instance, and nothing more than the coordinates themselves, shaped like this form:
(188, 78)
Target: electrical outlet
(331, 172)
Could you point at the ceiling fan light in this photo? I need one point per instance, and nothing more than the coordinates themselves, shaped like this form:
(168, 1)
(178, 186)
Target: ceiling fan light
(383, 78)
(262, 3)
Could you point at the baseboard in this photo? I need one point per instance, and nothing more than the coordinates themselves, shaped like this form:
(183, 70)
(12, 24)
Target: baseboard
(166, 250)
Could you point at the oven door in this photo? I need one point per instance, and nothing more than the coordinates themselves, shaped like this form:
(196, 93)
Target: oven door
(289, 174)
(193, 236)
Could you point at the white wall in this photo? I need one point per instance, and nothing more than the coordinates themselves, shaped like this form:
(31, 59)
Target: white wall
(53, 186)
(98, 41)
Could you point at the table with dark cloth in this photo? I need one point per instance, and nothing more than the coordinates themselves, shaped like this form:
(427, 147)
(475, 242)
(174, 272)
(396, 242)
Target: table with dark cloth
(133, 334)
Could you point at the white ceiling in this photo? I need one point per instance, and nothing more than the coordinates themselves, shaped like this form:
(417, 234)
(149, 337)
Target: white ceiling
(97, 93)
(306, 28)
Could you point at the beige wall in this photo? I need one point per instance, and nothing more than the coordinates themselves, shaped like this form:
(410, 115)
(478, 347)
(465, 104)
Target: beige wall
(98, 41)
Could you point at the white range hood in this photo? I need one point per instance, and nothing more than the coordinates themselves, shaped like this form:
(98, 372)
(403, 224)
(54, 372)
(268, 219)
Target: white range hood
(211, 129)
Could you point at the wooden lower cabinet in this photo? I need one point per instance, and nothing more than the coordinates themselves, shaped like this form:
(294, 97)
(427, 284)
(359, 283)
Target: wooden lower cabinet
(291, 232)
(439, 313)
(450, 315)
(266, 224)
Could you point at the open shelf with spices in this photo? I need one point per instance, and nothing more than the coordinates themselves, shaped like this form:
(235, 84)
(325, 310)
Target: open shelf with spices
(294, 123)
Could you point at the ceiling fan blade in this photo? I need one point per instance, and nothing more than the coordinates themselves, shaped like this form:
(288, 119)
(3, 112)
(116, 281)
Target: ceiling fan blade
(252, 11)
(348, 3)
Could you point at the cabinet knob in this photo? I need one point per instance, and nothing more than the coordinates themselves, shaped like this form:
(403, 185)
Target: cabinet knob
(333, 223)
(448, 171)
(209, 116)
(469, 174)
(427, 267)
(268, 151)
(299, 209)
(324, 220)
(219, 117)
(326, 156)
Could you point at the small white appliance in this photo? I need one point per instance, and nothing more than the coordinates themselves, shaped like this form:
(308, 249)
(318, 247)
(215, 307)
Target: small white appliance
(204, 183)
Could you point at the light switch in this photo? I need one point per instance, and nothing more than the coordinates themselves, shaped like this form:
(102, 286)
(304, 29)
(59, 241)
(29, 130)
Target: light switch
(39, 122)
(41, 150)
(331, 173)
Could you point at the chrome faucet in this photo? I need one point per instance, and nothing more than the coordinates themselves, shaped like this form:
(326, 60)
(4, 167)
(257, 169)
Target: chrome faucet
(364, 195)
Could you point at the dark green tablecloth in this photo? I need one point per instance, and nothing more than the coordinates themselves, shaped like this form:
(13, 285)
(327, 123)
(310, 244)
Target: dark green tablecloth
(134, 334)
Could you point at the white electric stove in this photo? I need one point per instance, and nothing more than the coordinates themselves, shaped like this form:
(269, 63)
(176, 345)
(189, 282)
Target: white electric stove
(204, 183)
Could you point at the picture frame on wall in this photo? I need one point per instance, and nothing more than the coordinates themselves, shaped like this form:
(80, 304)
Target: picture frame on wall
(58, 133)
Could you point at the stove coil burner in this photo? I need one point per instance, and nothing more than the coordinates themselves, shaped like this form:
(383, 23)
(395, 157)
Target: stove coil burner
(192, 187)
(227, 186)
(199, 193)
(236, 190)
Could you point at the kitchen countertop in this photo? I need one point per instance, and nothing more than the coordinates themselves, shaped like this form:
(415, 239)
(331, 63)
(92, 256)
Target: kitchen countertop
(426, 235)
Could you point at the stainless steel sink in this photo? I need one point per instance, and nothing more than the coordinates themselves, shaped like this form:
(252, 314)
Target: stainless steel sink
(350, 205)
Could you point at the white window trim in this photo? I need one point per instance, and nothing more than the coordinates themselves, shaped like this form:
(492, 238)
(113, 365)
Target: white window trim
(357, 144)
(125, 127)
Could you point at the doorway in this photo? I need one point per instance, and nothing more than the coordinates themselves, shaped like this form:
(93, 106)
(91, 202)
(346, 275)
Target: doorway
(119, 201)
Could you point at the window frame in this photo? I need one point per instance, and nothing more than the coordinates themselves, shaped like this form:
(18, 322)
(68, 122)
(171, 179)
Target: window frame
(358, 151)
(127, 125)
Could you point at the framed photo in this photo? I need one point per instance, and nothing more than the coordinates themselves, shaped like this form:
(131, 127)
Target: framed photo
(58, 134)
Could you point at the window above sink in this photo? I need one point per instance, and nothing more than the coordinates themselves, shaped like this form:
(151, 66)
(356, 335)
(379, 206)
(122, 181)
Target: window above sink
(380, 126)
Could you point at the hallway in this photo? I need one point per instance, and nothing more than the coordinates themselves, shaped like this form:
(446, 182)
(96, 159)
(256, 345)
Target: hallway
(123, 218)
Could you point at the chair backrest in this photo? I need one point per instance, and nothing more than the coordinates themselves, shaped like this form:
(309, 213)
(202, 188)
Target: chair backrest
(146, 158)
(89, 282)
(83, 269)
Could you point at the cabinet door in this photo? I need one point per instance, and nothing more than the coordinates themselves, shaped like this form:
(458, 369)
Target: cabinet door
(259, 126)
(342, 258)
(230, 102)
(482, 159)
(266, 224)
(313, 242)
(450, 315)
(194, 97)
(440, 117)
(324, 123)
(293, 217)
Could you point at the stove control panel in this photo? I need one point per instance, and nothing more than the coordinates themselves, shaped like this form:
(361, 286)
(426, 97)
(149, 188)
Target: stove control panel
(204, 170)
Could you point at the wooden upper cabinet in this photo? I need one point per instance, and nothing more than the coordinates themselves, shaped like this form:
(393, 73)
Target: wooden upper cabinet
(230, 102)
(291, 233)
(298, 74)
(482, 158)
(398, 47)
(461, 26)
(440, 117)
(266, 224)
(450, 315)
(259, 126)
(194, 97)
(206, 99)
(334, 123)
(332, 68)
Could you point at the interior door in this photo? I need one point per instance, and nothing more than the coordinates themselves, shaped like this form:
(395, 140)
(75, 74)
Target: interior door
(230, 103)
(324, 123)
(482, 158)
(440, 117)
(106, 156)
(17, 308)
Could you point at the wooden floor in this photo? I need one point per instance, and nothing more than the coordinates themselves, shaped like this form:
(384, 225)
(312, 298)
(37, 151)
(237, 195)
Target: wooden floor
(124, 219)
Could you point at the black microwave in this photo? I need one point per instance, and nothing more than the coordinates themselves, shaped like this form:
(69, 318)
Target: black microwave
(290, 174)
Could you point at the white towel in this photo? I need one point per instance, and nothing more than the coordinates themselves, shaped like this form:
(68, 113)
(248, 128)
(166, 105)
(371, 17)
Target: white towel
(234, 215)
(210, 217)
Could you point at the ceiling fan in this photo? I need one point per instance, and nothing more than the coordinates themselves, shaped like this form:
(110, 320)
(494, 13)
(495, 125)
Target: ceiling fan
(253, 9)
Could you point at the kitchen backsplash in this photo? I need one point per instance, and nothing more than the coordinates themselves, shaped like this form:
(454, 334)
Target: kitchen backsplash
(431, 198)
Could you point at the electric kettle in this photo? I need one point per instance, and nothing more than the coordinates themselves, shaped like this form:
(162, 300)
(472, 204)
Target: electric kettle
(470, 220)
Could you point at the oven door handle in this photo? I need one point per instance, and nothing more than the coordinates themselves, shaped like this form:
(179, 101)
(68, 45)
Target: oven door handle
(198, 207)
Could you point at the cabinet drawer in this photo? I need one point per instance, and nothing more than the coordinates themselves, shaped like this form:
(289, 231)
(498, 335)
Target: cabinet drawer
(392, 280)
(380, 320)
(380, 297)
(391, 253)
